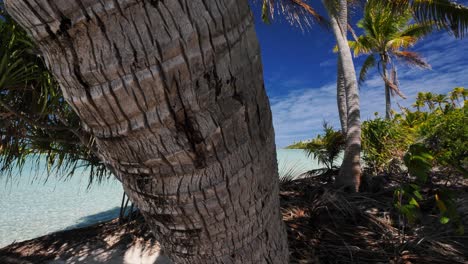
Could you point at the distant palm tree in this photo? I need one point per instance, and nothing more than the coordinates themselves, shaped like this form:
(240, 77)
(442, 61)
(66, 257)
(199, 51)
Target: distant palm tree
(387, 37)
(419, 101)
(457, 93)
(441, 99)
(429, 99)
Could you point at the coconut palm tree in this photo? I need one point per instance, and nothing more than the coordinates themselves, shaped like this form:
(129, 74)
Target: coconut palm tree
(173, 93)
(347, 88)
(429, 99)
(441, 99)
(350, 172)
(386, 38)
(457, 93)
(419, 101)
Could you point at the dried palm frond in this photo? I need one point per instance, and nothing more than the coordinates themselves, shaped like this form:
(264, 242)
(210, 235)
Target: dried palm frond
(412, 58)
(296, 12)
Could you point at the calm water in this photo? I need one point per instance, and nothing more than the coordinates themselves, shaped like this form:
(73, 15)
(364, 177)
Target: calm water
(29, 208)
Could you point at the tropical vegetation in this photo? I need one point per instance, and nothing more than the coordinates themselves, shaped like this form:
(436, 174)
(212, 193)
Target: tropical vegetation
(416, 147)
(326, 148)
(442, 130)
(36, 122)
(445, 14)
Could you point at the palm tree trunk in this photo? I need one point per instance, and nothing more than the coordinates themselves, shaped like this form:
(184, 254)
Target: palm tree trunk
(388, 103)
(341, 82)
(173, 92)
(388, 98)
(350, 172)
(341, 97)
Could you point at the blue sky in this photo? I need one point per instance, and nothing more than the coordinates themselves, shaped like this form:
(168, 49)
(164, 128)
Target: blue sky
(300, 77)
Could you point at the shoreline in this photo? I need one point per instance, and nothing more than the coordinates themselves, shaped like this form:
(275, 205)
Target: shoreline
(33, 208)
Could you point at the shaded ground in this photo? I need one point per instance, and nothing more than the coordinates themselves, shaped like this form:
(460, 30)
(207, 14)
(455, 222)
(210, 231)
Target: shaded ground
(324, 226)
(328, 226)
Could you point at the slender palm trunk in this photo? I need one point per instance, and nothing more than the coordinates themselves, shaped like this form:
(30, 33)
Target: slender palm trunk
(341, 98)
(388, 98)
(341, 83)
(350, 172)
(173, 91)
(388, 103)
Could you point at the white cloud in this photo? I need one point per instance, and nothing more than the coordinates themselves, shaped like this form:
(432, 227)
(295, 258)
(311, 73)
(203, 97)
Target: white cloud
(329, 63)
(299, 114)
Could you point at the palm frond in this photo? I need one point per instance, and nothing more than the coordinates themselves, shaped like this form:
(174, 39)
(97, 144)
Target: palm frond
(445, 14)
(394, 88)
(366, 66)
(37, 125)
(394, 78)
(326, 148)
(297, 12)
(412, 58)
(418, 30)
(401, 42)
(363, 45)
(289, 171)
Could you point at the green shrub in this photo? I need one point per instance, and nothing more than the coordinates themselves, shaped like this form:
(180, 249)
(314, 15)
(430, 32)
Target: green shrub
(446, 135)
(419, 160)
(326, 148)
(383, 141)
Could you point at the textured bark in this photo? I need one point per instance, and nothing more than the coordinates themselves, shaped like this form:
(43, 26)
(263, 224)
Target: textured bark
(173, 92)
(341, 82)
(341, 97)
(350, 172)
(388, 99)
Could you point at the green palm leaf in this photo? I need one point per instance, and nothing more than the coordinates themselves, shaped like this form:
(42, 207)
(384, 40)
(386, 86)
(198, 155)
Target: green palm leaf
(445, 14)
(36, 123)
(363, 45)
(401, 42)
(366, 66)
(418, 30)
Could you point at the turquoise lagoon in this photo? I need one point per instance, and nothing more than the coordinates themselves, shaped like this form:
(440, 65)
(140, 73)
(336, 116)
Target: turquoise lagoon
(30, 207)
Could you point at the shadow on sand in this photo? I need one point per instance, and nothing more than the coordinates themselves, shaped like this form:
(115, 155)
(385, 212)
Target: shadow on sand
(108, 242)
